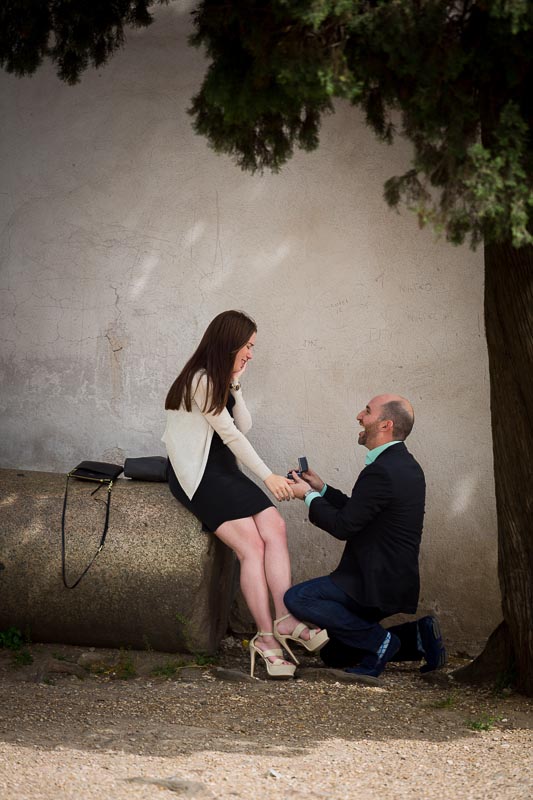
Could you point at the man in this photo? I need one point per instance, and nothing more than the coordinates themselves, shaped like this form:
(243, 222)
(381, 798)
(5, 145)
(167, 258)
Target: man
(377, 576)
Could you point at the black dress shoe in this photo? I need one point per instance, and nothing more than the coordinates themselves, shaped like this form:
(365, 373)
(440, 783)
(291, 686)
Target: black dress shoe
(431, 639)
(373, 664)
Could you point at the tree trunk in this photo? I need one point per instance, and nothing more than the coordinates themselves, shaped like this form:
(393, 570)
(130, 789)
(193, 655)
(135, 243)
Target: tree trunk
(509, 328)
(494, 665)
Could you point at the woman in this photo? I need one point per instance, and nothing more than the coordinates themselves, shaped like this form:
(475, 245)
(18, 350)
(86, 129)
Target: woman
(206, 422)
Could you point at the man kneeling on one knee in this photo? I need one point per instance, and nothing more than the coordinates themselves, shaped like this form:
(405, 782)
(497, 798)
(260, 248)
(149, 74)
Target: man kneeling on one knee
(381, 523)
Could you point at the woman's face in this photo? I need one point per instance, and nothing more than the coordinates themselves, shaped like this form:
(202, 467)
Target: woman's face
(244, 355)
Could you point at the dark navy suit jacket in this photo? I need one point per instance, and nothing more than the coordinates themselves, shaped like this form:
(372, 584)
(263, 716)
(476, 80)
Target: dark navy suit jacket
(381, 524)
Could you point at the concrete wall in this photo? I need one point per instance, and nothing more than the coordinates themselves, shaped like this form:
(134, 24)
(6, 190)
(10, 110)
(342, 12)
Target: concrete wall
(122, 235)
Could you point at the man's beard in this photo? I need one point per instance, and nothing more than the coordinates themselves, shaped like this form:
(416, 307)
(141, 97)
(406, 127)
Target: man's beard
(366, 433)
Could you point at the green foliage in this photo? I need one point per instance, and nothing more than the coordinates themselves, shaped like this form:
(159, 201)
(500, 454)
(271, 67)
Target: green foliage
(499, 183)
(125, 668)
(513, 10)
(204, 659)
(22, 658)
(12, 639)
(60, 657)
(446, 702)
(72, 33)
(172, 668)
(260, 96)
(201, 658)
(169, 669)
(453, 78)
(485, 723)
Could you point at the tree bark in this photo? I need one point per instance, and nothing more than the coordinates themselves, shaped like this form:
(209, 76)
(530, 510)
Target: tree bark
(494, 665)
(509, 329)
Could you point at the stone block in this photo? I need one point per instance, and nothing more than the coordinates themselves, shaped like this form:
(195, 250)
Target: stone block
(159, 582)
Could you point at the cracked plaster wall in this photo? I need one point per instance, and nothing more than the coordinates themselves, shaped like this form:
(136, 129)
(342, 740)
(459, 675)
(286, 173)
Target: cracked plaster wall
(122, 235)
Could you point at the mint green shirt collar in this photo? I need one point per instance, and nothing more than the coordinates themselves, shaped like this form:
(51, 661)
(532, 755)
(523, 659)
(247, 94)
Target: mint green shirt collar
(373, 454)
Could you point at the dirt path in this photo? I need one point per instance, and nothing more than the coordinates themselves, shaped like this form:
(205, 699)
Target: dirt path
(82, 723)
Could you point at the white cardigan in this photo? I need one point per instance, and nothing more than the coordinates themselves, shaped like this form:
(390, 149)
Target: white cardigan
(188, 436)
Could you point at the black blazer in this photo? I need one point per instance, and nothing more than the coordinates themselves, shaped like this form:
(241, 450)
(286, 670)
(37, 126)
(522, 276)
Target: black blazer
(382, 525)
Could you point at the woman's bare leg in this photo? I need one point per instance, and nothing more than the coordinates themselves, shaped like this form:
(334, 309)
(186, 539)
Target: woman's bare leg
(271, 527)
(272, 530)
(242, 536)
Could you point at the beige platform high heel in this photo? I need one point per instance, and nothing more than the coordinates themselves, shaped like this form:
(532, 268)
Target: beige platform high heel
(316, 641)
(276, 669)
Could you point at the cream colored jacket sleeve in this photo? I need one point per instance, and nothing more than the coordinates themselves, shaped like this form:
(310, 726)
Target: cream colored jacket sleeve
(241, 415)
(228, 431)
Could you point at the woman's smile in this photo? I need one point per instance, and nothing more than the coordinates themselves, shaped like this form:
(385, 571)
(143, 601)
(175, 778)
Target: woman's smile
(244, 355)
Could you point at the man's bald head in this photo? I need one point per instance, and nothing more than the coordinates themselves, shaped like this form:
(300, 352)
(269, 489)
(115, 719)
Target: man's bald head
(385, 418)
(399, 410)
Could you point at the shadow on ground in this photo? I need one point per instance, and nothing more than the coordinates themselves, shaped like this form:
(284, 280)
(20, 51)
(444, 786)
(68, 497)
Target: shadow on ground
(159, 704)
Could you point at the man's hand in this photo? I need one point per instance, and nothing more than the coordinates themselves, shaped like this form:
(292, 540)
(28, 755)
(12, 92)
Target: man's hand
(299, 487)
(314, 480)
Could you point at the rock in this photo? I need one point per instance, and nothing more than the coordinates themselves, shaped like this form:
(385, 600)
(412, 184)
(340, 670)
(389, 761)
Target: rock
(43, 670)
(335, 676)
(230, 643)
(159, 582)
(88, 659)
(232, 675)
(186, 788)
(191, 672)
(64, 668)
(273, 773)
(436, 678)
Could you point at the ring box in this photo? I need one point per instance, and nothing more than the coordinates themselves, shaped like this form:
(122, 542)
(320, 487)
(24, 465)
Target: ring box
(302, 467)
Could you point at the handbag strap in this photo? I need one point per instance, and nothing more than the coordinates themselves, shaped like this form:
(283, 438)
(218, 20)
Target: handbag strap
(102, 540)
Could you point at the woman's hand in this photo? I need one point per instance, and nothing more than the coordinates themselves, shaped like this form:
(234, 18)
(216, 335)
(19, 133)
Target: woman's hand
(236, 375)
(279, 486)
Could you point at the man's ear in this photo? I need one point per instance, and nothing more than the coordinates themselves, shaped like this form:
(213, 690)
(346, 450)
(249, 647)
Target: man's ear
(387, 424)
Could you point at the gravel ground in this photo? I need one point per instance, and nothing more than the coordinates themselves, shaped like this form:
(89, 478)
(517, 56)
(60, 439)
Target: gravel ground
(86, 723)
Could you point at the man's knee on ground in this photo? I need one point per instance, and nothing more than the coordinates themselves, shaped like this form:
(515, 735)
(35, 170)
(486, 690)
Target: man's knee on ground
(292, 599)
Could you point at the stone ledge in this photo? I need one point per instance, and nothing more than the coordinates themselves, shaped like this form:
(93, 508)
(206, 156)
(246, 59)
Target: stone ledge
(159, 582)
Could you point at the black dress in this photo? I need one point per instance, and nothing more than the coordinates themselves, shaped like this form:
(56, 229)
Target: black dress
(224, 493)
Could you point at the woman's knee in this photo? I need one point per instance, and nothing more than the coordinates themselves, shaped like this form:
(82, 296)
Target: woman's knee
(243, 538)
(272, 527)
(279, 531)
(251, 547)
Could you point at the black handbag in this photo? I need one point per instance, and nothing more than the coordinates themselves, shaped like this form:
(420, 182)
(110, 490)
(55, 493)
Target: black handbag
(98, 472)
(147, 468)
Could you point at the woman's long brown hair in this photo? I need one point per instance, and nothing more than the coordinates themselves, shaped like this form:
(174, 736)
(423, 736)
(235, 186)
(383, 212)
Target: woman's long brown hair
(223, 338)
